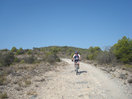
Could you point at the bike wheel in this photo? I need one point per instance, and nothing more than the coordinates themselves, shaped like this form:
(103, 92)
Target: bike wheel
(76, 71)
(77, 67)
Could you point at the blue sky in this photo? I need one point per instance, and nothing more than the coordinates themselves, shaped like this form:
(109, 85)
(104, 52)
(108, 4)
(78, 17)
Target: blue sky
(79, 23)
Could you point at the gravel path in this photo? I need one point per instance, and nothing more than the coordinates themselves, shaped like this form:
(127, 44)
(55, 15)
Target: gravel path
(91, 83)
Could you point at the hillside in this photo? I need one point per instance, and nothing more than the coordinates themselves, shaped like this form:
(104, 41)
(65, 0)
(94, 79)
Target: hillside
(19, 66)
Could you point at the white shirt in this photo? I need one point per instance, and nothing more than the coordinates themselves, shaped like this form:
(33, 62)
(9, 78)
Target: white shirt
(75, 55)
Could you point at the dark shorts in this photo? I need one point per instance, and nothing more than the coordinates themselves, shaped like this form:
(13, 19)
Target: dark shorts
(76, 61)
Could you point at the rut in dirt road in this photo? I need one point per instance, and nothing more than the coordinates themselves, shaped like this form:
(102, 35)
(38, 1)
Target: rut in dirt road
(91, 83)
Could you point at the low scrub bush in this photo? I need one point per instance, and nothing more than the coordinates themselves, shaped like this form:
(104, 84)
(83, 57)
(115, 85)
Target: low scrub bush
(24, 83)
(128, 65)
(4, 50)
(29, 52)
(27, 82)
(3, 96)
(6, 58)
(51, 57)
(22, 61)
(2, 80)
(16, 60)
(20, 51)
(29, 60)
(106, 57)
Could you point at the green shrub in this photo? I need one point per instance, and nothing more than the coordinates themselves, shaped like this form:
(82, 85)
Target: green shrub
(22, 61)
(123, 50)
(16, 60)
(14, 49)
(29, 52)
(20, 51)
(6, 58)
(93, 52)
(69, 51)
(5, 50)
(72, 54)
(90, 56)
(58, 60)
(54, 50)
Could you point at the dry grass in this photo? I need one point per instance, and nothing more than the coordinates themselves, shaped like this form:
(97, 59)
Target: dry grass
(128, 66)
(25, 82)
(31, 92)
(3, 96)
(3, 80)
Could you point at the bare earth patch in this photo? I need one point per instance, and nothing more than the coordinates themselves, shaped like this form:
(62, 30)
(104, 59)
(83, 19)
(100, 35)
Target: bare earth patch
(23, 80)
(92, 83)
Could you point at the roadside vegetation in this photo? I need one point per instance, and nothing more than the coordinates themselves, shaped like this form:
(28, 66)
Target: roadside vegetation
(121, 52)
(18, 66)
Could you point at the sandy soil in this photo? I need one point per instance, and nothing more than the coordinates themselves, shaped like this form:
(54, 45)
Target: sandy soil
(91, 83)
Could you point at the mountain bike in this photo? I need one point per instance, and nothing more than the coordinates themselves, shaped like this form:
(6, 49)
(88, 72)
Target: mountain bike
(76, 67)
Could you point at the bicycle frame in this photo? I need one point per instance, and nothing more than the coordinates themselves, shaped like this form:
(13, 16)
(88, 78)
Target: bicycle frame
(76, 67)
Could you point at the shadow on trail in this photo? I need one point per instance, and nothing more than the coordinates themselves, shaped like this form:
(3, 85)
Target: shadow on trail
(81, 72)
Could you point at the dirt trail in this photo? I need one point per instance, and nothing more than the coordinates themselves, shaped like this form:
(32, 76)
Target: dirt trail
(92, 83)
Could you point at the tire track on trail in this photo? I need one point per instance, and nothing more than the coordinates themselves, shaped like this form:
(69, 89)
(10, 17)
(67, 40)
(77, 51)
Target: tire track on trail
(91, 83)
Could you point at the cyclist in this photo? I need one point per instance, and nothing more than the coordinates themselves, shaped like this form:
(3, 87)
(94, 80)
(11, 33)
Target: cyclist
(76, 58)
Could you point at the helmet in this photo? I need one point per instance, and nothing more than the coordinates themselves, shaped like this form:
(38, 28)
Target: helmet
(76, 52)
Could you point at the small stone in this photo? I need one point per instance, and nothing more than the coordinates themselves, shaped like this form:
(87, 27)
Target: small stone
(42, 80)
(122, 76)
(15, 82)
(18, 88)
(129, 80)
(36, 86)
(95, 64)
(123, 68)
